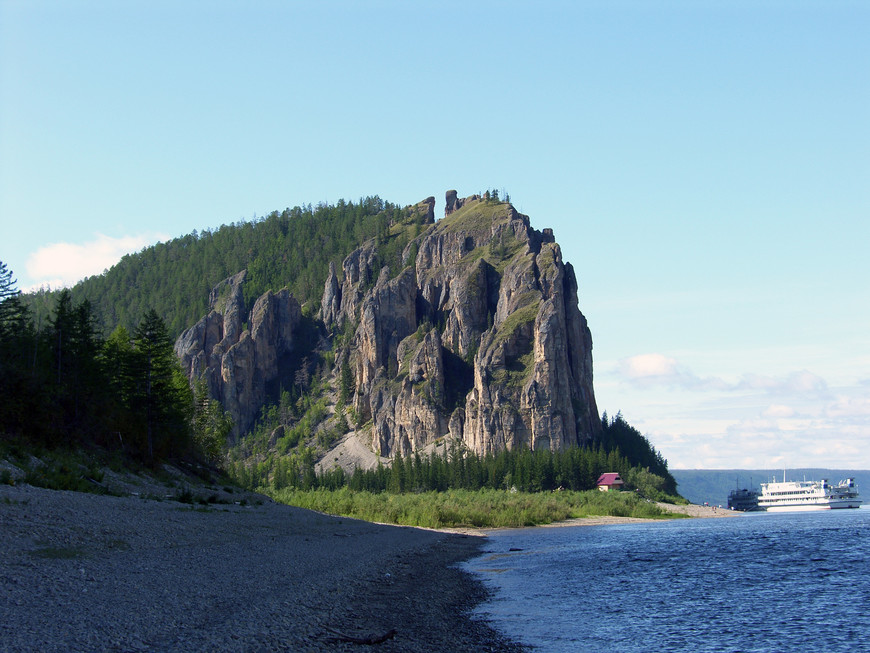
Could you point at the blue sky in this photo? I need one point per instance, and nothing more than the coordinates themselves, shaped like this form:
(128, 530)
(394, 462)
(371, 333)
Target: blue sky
(705, 167)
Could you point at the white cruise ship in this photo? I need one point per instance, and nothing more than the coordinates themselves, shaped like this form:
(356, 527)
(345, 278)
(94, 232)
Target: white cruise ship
(808, 495)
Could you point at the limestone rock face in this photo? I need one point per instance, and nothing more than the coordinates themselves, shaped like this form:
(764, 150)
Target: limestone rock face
(236, 362)
(360, 271)
(201, 348)
(476, 336)
(479, 338)
(273, 320)
(409, 412)
(330, 307)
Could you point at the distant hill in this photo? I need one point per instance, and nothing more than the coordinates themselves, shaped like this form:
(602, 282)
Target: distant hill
(713, 485)
(293, 248)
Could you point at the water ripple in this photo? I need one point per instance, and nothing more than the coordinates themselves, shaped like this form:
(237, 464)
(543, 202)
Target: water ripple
(780, 582)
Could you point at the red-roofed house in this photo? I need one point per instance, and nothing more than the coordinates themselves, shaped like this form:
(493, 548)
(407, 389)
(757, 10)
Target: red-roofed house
(610, 481)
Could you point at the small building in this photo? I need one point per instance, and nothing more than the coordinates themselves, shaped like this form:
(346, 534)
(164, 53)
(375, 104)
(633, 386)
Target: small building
(609, 481)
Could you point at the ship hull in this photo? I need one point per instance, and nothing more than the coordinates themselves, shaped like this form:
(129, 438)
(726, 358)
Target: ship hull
(811, 507)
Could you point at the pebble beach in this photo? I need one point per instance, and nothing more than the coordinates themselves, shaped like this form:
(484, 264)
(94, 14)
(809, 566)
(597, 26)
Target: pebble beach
(85, 572)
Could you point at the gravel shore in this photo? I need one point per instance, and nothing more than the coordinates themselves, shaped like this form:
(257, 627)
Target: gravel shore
(82, 572)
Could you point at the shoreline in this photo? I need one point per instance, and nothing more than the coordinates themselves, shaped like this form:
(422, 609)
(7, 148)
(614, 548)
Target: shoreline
(692, 510)
(85, 572)
(95, 572)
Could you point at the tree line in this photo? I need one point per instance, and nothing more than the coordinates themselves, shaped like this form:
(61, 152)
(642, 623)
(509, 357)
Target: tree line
(453, 468)
(290, 248)
(62, 384)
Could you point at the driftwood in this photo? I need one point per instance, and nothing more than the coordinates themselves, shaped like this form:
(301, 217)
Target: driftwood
(374, 639)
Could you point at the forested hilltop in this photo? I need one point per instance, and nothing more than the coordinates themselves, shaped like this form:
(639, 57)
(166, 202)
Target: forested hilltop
(290, 248)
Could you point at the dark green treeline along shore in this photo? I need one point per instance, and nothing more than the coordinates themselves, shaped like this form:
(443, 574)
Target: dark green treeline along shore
(506, 489)
(453, 350)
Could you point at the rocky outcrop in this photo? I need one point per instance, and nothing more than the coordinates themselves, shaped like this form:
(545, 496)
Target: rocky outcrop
(479, 338)
(475, 336)
(388, 315)
(330, 307)
(452, 202)
(237, 363)
(409, 409)
(202, 346)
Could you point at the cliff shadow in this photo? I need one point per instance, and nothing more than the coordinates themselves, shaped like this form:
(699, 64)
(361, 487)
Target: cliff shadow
(458, 377)
(297, 367)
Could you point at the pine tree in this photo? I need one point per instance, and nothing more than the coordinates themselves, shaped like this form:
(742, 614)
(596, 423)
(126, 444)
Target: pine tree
(18, 344)
(78, 380)
(13, 314)
(211, 425)
(158, 396)
(346, 387)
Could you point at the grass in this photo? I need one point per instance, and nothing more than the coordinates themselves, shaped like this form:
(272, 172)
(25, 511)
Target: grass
(474, 216)
(474, 509)
(515, 372)
(56, 469)
(65, 470)
(526, 313)
(83, 471)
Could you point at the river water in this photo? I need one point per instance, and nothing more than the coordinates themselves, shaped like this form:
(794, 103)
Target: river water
(757, 582)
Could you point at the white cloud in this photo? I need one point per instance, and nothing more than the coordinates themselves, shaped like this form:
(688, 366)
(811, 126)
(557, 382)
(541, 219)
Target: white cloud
(779, 436)
(802, 383)
(647, 370)
(791, 419)
(64, 264)
(849, 407)
(648, 365)
(779, 410)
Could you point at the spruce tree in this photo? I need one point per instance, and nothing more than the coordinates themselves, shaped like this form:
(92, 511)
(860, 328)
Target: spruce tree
(13, 313)
(157, 395)
(18, 385)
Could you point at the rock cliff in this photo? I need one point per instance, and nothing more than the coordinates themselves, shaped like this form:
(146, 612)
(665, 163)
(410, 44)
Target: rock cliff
(479, 338)
(237, 354)
(475, 336)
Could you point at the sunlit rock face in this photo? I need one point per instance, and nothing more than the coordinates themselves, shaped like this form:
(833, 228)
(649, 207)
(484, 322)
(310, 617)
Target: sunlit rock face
(235, 356)
(477, 338)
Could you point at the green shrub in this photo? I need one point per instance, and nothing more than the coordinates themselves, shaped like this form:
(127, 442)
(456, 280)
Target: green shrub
(470, 509)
